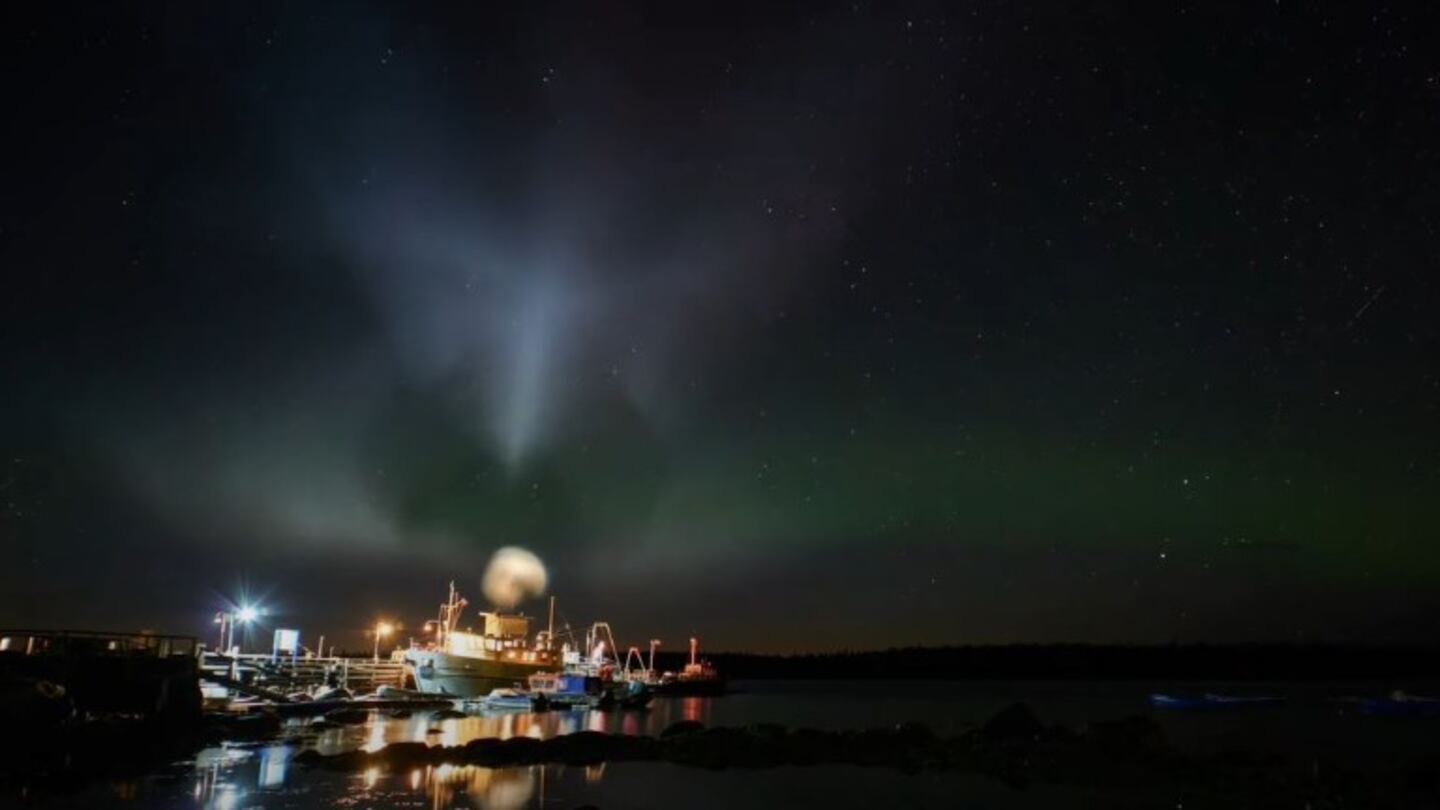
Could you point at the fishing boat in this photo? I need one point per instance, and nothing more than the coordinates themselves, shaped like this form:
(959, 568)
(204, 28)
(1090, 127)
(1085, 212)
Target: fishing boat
(1213, 702)
(471, 663)
(628, 694)
(566, 690)
(697, 678)
(606, 685)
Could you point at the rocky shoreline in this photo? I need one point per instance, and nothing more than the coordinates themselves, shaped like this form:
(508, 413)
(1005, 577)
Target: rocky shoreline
(1013, 747)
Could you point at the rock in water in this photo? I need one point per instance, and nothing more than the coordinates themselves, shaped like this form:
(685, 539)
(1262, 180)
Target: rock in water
(1127, 736)
(1014, 723)
(682, 727)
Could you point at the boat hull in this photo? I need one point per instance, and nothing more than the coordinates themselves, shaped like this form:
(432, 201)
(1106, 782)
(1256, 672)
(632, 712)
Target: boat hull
(441, 673)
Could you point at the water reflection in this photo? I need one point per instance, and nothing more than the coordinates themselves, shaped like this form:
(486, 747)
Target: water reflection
(273, 763)
(221, 777)
(260, 775)
(481, 788)
(381, 730)
(217, 771)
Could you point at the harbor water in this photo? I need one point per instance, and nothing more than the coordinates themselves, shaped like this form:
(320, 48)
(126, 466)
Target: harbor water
(1314, 722)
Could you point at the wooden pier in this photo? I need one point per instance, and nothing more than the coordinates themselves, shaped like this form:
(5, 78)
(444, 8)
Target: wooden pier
(270, 676)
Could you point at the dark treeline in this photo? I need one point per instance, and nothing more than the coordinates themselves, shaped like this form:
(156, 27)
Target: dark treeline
(1077, 661)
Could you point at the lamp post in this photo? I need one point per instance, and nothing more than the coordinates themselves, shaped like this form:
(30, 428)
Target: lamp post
(382, 629)
(226, 620)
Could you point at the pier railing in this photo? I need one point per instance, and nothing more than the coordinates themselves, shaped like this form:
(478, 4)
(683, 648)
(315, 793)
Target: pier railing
(283, 673)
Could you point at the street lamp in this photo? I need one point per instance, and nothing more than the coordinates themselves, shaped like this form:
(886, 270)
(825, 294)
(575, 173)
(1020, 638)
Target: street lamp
(245, 614)
(382, 629)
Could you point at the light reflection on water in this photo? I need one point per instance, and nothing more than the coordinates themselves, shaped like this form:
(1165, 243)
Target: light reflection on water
(226, 778)
(263, 776)
(242, 779)
(381, 730)
(245, 780)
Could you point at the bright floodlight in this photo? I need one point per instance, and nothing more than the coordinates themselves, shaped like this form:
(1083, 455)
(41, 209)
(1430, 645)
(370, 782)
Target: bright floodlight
(383, 629)
(247, 614)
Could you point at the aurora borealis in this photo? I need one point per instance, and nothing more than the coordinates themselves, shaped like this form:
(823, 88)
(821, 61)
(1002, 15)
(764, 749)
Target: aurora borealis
(841, 326)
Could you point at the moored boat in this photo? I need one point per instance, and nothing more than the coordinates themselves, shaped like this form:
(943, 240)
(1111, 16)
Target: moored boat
(472, 663)
(1212, 702)
(1400, 704)
(567, 690)
(628, 694)
(699, 677)
(507, 699)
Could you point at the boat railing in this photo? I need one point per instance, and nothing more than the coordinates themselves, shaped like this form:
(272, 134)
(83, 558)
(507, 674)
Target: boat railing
(298, 671)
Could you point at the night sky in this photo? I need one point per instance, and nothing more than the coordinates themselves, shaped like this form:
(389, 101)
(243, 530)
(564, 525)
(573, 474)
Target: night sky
(792, 327)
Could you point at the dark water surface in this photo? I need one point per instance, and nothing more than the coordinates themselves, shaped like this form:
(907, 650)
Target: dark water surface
(1315, 723)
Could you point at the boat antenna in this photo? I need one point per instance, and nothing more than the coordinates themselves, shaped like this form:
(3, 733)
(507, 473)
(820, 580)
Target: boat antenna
(550, 629)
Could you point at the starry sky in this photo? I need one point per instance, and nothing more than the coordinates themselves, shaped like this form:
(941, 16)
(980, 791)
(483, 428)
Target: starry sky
(796, 327)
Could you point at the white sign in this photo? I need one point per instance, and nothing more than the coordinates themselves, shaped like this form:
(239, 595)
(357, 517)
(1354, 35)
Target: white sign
(287, 641)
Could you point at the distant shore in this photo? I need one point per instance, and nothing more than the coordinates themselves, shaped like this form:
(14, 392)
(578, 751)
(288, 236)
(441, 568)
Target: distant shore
(1180, 662)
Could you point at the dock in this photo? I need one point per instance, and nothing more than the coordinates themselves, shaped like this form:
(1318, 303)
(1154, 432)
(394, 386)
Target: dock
(272, 677)
(162, 676)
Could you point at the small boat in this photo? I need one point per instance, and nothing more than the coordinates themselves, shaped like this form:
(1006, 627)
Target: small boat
(628, 695)
(509, 700)
(1400, 704)
(1212, 702)
(1242, 701)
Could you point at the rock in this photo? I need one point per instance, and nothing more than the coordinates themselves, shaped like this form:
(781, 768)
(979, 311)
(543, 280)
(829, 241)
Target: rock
(482, 751)
(581, 748)
(682, 727)
(915, 735)
(769, 731)
(1014, 723)
(402, 755)
(522, 750)
(1126, 736)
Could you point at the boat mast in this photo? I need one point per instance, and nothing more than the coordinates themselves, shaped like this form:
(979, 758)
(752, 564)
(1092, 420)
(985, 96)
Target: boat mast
(448, 614)
(550, 628)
